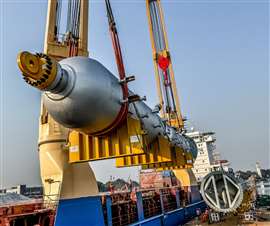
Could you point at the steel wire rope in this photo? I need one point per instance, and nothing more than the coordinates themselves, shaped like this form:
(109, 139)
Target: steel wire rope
(58, 19)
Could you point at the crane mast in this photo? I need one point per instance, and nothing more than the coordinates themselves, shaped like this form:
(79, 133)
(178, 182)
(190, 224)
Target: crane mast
(165, 80)
(54, 161)
(74, 41)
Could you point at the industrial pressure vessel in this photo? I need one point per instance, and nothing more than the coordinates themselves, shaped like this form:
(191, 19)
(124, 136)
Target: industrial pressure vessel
(81, 94)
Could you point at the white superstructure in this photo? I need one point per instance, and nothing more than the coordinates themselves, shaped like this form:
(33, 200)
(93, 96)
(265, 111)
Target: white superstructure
(263, 187)
(208, 159)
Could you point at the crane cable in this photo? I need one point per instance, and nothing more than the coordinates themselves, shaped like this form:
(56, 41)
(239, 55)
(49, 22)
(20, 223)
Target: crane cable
(72, 26)
(160, 46)
(57, 19)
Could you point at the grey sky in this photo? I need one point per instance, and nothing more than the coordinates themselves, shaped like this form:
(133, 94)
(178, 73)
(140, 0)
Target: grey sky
(220, 53)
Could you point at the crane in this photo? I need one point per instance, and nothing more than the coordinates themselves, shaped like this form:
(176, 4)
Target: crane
(54, 160)
(171, 112)
(165, 80)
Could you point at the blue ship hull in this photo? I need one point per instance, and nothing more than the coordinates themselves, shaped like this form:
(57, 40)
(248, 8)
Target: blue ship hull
(176, 217)
(89, 211)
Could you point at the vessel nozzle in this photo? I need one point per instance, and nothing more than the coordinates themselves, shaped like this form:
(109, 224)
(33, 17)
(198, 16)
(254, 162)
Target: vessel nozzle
(39, 70)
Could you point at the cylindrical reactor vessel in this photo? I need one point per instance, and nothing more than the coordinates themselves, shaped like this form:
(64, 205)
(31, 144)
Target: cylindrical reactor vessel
(81, 94)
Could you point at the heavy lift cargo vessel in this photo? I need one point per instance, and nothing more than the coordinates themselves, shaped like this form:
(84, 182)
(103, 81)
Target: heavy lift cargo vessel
(119, 125)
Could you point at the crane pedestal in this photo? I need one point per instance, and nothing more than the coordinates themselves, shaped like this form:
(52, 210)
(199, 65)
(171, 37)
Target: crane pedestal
(188, 181)
(57, 174)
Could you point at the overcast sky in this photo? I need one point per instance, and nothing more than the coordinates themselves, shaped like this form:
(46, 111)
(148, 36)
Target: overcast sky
(220, 53)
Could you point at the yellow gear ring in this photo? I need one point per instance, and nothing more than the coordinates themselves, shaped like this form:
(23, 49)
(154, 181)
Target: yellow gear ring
(38, 70)
(29, 64)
